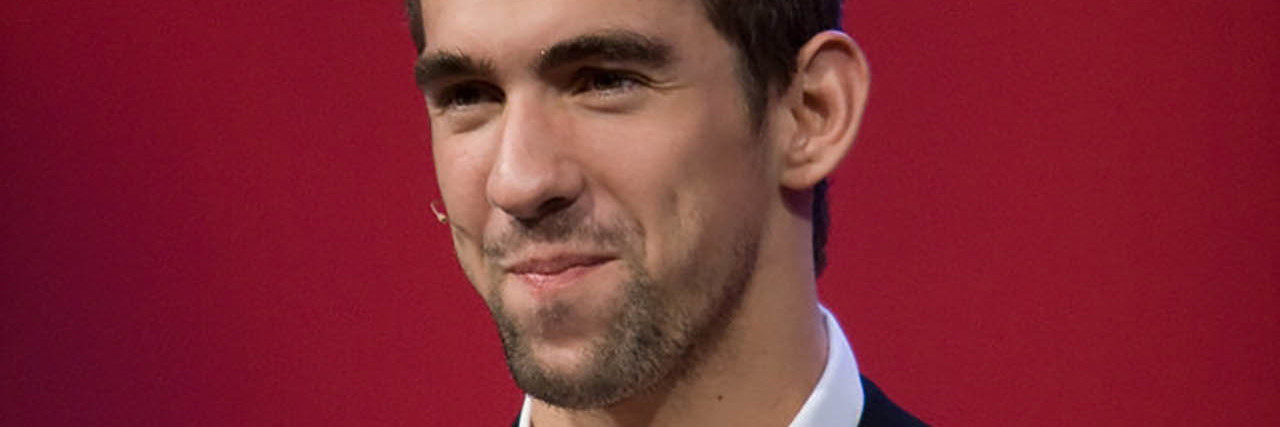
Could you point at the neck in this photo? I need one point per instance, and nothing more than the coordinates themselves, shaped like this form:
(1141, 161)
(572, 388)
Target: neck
(771, 357)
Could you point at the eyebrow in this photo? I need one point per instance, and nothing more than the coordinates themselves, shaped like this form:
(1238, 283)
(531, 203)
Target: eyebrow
(612, 45)
(433, 67)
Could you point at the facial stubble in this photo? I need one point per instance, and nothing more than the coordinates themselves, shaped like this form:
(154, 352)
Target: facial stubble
(651, 343)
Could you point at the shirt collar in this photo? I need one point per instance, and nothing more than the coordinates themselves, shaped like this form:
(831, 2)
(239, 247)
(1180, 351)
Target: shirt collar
(836, 400)
(838, 397)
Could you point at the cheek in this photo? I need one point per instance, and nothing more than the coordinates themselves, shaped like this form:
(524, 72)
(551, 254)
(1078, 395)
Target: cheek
(685, 174)
(462, 164)
(461, 172)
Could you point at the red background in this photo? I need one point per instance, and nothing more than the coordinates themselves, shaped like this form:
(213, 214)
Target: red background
(214, 213)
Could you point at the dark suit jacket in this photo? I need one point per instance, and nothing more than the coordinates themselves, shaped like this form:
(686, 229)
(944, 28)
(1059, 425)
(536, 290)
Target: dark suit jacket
(880, 411)
(877, 411)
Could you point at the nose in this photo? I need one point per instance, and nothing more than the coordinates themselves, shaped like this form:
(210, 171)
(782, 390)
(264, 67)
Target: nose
(534, 174)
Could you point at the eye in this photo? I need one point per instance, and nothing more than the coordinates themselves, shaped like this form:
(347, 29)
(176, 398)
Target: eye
(607, 81)
(466, 94)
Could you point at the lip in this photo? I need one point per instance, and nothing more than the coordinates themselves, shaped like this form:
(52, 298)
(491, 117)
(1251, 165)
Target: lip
(547, 272)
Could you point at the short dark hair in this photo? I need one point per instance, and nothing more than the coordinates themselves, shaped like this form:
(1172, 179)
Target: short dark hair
(767, 35)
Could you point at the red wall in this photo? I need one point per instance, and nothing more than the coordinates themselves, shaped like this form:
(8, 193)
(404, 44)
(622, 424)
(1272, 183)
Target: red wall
(215, 213)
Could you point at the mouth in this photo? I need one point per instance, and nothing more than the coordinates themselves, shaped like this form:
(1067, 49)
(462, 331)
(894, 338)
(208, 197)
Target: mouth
(551, 272)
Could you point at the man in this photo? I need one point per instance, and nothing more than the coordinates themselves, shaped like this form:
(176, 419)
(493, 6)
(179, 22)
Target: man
(635, 188)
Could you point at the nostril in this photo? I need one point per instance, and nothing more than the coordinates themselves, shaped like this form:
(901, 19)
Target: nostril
(552, 217)
(553, 205)
(547, 208)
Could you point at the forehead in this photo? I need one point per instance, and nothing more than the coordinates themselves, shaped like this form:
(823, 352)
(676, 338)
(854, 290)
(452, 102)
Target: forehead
(454, 24)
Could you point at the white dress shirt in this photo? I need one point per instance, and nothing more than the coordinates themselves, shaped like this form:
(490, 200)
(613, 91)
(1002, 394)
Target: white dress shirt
(836, 400)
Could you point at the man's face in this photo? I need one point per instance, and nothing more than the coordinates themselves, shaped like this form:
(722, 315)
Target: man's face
(604, 183)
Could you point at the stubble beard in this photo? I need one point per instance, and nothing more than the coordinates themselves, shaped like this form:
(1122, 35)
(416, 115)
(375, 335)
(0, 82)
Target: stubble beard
(650, 345)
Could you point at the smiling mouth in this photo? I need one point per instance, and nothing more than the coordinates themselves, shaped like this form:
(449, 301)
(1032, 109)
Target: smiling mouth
(545, 274)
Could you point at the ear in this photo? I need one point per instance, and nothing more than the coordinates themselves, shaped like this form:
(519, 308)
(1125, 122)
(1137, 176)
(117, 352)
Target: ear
(826, 98)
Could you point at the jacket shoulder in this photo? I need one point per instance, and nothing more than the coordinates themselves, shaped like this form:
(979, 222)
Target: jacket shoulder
(879, 411)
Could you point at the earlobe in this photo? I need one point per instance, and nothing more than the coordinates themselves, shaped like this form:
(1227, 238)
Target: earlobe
(827, 97)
